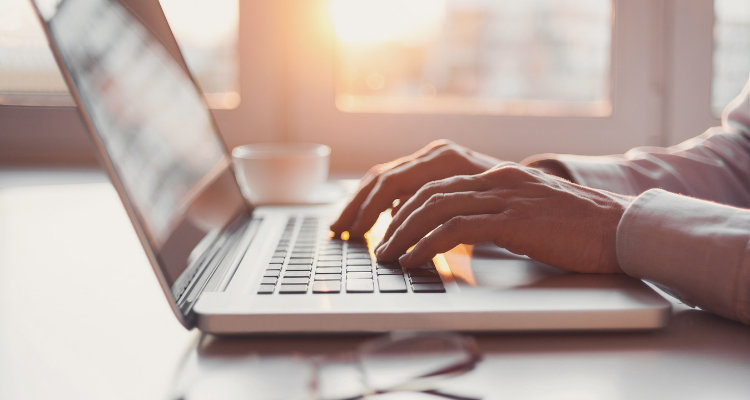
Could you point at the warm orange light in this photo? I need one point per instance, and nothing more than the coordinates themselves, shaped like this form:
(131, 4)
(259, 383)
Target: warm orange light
(203, 24)
(379, 21)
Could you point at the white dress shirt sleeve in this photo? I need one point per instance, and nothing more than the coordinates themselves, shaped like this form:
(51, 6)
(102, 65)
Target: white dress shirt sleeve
(692, 237)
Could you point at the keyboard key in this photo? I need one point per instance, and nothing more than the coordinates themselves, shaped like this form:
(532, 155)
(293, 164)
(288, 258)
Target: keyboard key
(422, 272)
(277, 260)
(361, 256)
(392, 284)
(266, 289)
(279, 254)
(359, 275)
(294, 281)
(359, 286)
(296, 274)
(382, 271)
(301, 255)
(272, 272)
(269, 280)
(358, 250)
(425, 279)
(299, 267)
(358, 268)
(388, 265)
(428, 288)
(327, 277)
(273, 266)
(327, 270)
(300, 261)
(330, 258)
(359, 262)
(329, 264)
(291, 289)
(326, 287)
(331, 252)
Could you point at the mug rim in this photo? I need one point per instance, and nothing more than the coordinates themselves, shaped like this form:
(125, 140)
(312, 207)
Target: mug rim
(279, 150)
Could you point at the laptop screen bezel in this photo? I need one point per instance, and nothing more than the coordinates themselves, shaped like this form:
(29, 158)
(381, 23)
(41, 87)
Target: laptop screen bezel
(158, 28)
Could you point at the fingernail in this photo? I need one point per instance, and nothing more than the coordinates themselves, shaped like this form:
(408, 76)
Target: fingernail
(404, 259)
(379, 250)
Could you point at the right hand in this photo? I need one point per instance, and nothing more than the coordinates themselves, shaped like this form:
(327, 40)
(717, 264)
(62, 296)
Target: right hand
(401, 178)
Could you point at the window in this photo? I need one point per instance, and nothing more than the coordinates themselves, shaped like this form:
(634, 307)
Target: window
(731, 61)
(509, 78)
(206, 32)
(535, 57)
(28, 72)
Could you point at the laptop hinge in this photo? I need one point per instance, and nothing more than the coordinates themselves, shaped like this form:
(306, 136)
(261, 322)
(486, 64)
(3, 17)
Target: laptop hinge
(223, 258)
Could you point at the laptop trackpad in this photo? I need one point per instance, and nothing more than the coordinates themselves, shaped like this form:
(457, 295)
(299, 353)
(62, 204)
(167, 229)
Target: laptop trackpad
(486, 265)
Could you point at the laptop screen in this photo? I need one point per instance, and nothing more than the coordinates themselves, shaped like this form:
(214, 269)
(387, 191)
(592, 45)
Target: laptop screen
(151, 125)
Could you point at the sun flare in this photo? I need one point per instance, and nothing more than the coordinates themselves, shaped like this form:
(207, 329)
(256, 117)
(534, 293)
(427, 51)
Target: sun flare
(380, 21)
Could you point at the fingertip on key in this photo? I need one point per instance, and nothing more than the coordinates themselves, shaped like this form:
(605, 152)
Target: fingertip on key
(404, 260)
(379, 251)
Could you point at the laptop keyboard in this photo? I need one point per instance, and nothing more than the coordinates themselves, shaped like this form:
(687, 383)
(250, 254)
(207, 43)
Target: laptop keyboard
(307, 262)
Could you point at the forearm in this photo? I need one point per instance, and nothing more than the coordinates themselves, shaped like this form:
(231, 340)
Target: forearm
(714, 166)
(697, 249)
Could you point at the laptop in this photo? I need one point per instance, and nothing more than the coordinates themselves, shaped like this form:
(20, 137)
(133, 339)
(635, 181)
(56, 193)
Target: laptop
(229, 267)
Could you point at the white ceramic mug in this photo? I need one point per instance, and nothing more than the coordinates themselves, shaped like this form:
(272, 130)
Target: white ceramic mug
(280, 173)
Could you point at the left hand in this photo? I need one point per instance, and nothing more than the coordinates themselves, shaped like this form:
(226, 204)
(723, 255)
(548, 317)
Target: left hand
(521, 209)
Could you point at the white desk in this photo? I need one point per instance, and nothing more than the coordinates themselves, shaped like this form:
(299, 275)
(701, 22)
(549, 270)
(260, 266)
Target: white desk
(82, 317)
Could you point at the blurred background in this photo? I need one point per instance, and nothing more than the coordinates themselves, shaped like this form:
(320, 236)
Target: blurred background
(376, 79)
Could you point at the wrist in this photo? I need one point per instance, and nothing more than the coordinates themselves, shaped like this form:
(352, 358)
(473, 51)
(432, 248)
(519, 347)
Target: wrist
(552, 167)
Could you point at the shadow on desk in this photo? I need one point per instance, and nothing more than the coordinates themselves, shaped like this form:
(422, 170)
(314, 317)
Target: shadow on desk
(699, 355)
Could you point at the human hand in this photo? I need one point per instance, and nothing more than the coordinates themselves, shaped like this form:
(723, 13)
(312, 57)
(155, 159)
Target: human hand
(521, 209)
(401, 178)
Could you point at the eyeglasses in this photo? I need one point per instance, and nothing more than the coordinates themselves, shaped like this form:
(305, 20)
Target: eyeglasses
(398, 362)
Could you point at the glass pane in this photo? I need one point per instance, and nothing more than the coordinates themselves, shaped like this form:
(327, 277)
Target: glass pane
(533, 57)
(206, 31)
(731, 51)
(28, 72)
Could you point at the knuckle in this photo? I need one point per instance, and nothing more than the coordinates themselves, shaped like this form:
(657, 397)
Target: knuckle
(429, 188)
(376, 169)
(449, 152)
(439, 143)
(386, 179)
(434, 201)
(455, 224)
(509, 172)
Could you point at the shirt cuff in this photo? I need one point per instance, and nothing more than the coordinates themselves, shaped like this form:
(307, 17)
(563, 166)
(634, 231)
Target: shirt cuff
(697, 250)
(600, 172)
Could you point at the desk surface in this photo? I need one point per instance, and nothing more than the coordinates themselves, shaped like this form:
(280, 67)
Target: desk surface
(82, 316)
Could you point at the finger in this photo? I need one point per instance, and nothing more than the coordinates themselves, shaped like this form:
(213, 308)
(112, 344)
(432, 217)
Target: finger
(439, 209)
(349, 214)
(401, 181)
(470, 229)
(464, 183)
(388, 187)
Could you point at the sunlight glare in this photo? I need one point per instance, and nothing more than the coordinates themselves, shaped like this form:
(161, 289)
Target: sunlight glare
(201, 23)
(380, 21)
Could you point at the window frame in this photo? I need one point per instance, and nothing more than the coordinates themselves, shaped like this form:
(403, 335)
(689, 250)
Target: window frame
(287, 61)
(361, 140)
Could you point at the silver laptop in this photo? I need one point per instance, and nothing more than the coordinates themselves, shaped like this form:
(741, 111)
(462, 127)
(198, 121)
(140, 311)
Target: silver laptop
(229, 267)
